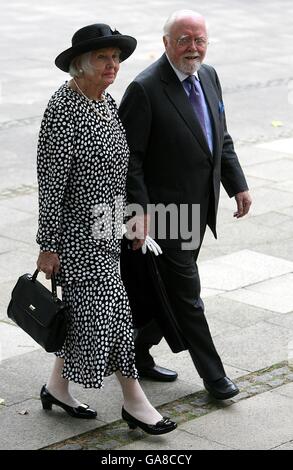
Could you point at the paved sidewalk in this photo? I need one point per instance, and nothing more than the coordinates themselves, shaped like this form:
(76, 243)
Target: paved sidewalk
(259, 418)
(247, 274)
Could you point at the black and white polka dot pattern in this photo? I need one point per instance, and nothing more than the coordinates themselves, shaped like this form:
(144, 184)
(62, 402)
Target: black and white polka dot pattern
(82, 161)
(99, 338)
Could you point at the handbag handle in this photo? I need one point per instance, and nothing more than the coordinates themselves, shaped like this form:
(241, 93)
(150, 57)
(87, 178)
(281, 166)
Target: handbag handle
(53, 283)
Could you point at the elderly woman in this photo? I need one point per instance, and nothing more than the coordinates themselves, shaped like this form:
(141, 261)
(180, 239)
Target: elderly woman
(82, 163)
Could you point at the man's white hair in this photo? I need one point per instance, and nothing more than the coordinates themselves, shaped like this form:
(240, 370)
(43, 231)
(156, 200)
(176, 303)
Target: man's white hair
(179, 14)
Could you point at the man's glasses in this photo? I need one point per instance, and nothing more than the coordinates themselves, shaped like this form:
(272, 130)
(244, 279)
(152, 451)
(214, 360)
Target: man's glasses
(185, 41)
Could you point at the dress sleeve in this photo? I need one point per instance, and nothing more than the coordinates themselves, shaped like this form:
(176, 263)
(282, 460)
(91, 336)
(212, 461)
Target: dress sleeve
(54, 161)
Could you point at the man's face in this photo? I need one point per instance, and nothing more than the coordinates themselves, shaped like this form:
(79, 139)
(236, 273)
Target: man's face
(186, 44)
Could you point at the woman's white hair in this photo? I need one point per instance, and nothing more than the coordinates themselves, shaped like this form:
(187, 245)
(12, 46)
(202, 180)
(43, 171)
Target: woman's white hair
(176, 15)
(81, 64)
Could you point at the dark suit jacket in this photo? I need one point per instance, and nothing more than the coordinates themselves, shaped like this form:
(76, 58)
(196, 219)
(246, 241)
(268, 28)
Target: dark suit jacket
(170, 161)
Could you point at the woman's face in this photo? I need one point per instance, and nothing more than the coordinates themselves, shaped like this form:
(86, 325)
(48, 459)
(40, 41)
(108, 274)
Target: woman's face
(105, 65)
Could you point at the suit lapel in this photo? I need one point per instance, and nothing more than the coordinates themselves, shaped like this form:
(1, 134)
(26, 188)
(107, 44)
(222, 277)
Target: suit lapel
(176, 94)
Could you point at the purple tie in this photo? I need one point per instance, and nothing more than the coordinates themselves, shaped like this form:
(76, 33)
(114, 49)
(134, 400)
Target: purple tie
(195, 98)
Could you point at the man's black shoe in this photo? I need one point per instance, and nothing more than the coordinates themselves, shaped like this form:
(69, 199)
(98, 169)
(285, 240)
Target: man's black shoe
(158, 373)
(221, 389)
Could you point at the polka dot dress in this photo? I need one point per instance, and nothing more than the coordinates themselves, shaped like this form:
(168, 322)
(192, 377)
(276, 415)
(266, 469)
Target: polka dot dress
(82, 166)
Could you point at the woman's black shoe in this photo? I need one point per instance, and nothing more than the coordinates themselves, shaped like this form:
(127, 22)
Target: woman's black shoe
(82, 411)
(162, 427)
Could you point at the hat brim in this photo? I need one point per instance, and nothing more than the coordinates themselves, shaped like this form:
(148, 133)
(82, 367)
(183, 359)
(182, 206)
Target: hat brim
(126, 44)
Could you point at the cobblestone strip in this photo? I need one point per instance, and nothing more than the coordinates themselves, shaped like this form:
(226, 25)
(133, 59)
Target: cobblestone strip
(22, 190)
(20, 122)
(116, 434)
(261, 138)
(277, 82)
(256, 85)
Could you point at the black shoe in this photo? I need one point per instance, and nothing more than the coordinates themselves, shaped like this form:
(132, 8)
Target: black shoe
(158, 373)
(162, 427)
(221, 389)
(82, 411)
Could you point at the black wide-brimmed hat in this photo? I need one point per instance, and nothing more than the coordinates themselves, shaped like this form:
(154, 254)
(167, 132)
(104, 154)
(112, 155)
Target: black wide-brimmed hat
(92, 37)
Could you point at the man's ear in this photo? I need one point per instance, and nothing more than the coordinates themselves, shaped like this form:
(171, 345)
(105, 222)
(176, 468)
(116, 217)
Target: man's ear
(165, 41)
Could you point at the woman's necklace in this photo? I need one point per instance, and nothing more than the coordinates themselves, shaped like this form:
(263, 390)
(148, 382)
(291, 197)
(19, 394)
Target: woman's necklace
(90, 102)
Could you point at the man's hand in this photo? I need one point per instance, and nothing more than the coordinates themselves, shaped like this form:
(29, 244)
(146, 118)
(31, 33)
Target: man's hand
(48, 262)
(243, 204)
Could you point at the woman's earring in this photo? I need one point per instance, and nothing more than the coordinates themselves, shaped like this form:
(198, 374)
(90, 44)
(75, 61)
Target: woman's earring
(80, 71)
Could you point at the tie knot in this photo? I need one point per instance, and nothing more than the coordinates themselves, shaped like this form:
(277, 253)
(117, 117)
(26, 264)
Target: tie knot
(190, 79)
(193, 84)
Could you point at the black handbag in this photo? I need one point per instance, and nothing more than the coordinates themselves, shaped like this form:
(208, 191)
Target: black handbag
(39, 312)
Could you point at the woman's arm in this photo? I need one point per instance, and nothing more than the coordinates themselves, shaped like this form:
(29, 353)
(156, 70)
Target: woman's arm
(54, 161)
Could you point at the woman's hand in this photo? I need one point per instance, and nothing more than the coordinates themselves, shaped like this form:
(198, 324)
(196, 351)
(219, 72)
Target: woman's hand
(137, 229)
(48, 262)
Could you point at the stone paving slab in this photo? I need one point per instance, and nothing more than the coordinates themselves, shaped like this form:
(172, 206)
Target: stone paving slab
(278, 170)
(38, 428)
(287, 210)
(255, 154)
(281, 247)
(237, 313)
(207, 292)
(177, 440)
(248, 425)
(280, 145)
(7, 214)
(19, 262)
(240, 269)
(5, 295)
(255, 347)
(285, 390)
(25, 203)
(272, 219)
(284, 186)
(14, 341)
(245, 234)
(287, 446)
(273, 294)
(218, 327)
(255, 182)
(286, 321)
(8, 244)
(22, 232)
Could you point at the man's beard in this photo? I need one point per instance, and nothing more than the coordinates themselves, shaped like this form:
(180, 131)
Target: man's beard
(189, 68)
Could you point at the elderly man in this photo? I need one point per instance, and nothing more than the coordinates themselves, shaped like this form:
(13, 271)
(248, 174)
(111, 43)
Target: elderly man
(175, 123)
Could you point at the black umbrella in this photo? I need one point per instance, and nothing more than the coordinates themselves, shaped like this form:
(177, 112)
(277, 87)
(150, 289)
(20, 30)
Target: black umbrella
(147, 294)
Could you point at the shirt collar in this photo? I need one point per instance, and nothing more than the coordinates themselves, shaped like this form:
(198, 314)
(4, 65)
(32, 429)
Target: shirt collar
(182, 76)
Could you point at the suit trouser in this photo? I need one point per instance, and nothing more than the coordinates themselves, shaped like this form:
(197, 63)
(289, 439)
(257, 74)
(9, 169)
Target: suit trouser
(179, 272)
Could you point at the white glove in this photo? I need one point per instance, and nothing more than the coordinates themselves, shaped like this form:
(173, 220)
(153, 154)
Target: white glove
(150, 244)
